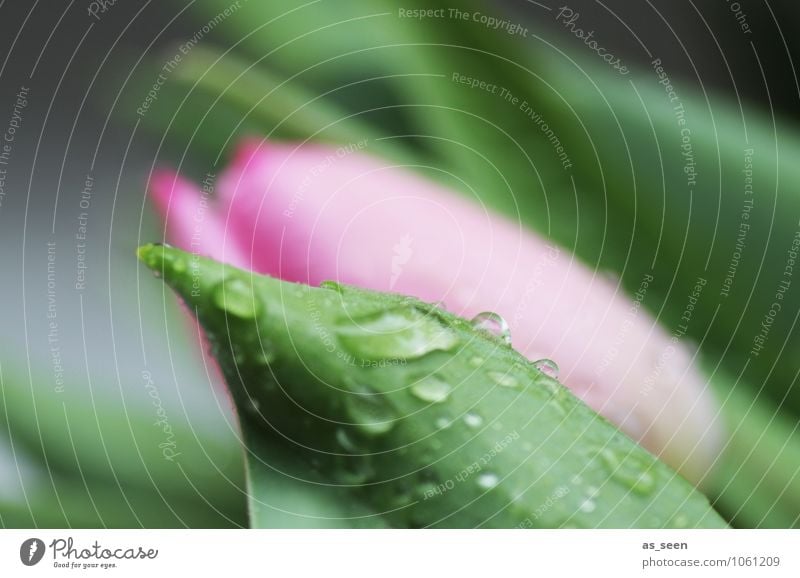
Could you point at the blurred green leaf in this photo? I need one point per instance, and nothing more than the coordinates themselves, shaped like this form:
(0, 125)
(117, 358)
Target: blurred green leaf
(757, 478)
(284, 492)
(88, 441)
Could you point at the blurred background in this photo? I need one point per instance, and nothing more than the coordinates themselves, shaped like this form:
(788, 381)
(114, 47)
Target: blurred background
(110, 419)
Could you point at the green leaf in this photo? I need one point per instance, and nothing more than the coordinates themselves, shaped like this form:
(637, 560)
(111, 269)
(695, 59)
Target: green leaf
(756, 481)
(276, 104)
(284, 492)
(58, 501)
(453, 429)
(92, 446)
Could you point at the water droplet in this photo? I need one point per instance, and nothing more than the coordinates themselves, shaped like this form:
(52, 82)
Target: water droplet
(395, 334)
(548, 367)
(371, 412)
(355, 470)
(427, 490)
(443, 422)
(630, 471)
(503, 379)
(346, 441)
(487, 480)
(236, 297)
(264, 357)
(333, 286)
(151, 259)
(643, 483)
(551, 385)
(431, 389)
(476, 361)
(473, 420)
(178, 265)
(588, 506)
(494, 324)
(610, 458)
(680, 521)
(253, 405)
(402, 498)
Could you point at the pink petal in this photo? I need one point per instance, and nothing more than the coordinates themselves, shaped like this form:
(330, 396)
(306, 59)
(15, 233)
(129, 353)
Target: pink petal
(192, 220)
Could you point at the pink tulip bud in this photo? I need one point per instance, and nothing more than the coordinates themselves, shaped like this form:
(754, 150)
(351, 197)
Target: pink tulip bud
(312, 213)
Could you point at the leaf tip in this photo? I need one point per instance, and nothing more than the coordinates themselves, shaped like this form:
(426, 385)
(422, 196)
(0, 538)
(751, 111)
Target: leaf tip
(158, 257)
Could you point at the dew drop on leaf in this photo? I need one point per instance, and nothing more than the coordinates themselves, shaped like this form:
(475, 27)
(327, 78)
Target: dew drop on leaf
(402, 333)
(443, 422)
(629, 471)
(355, 471)
(178, 265)
(370, 412)
(548, 367)
(503, 379)
(680, 521)
(473, 420)
(401, 498)
(431, 389)
(494, 324)
(487, 480)
(426, 490)
(346, 442)
(332, 285)
(264, 357)
(236, 297)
